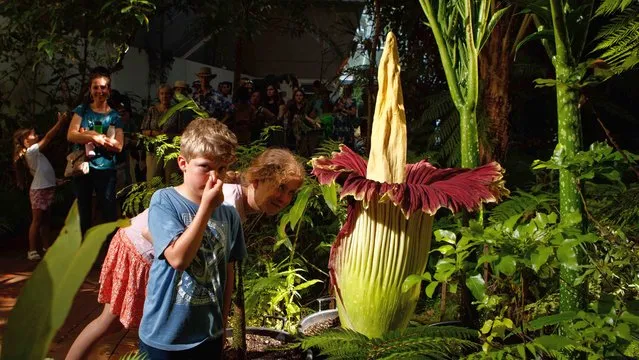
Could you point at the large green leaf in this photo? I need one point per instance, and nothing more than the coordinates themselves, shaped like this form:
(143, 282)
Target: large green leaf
(567, 255)
(491, 25)
(297, 210)
(186, 103)
(554, 319)
(48, 295)
(477, 286)
(540, 257)
(539, 35)
(329, 192)
(507, 265)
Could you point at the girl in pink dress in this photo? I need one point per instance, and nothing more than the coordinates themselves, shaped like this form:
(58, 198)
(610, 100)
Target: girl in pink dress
(29, 162)
(268, 186)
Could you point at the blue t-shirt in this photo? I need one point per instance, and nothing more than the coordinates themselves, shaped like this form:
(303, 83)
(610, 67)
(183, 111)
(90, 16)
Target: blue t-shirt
(103, 159)
(184, 308)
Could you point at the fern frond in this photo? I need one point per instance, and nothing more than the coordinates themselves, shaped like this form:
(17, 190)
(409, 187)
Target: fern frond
(427, 331)
(327, 148)
(423, 348)
(616, 207)
(134, 355)
(445, 342)
(244, 154)
(436, 106)
(449, 137)
(255, 289)
(423, 342)
(618, 40)
(523, 204)
(609, 7)
(138, 196)
(619, 21)
(339, 343)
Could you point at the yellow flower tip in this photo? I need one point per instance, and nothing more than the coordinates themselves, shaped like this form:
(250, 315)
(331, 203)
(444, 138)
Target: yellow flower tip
(387, 158)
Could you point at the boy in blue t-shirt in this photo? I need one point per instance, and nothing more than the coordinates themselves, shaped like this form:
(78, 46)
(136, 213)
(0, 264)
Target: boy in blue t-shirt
(196, 238)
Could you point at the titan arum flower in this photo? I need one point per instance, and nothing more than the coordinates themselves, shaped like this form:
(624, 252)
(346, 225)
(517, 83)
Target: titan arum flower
(387, 233)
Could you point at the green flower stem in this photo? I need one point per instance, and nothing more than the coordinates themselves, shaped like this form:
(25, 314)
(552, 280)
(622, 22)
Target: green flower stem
(442, 45)
(465, 100)
(569, 142)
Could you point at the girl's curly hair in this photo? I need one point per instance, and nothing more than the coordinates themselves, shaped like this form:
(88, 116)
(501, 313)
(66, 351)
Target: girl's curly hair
(275, 165)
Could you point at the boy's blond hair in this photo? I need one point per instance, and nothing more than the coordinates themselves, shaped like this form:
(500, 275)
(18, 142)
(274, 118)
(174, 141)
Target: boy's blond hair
(208, 138)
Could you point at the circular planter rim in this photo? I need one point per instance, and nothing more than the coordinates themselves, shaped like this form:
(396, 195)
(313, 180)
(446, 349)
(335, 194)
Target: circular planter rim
(315, 318)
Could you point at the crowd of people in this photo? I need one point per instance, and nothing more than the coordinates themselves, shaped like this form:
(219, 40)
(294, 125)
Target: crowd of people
(170, 272)
(298, 123)
(304, 120)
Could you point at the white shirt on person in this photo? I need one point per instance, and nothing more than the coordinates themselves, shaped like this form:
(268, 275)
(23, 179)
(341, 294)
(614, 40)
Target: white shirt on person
(233, 196)
(40, 167)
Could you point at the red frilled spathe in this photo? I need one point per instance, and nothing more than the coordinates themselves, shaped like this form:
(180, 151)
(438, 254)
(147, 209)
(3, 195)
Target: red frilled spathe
(426, 188)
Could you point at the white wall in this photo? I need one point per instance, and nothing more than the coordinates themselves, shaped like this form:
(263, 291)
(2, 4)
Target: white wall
(134, 76)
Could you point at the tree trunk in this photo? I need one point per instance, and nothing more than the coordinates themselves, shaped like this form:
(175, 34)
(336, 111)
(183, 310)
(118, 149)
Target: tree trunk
(569, 142)
(494, 70)
(239, 314)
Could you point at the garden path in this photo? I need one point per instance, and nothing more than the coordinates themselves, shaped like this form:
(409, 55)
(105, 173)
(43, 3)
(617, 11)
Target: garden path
(15, 269)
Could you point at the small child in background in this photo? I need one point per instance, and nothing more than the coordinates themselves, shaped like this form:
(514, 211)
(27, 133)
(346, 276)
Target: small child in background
(29, 161)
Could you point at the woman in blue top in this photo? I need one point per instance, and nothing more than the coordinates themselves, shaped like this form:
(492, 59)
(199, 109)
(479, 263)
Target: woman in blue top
(97, 124)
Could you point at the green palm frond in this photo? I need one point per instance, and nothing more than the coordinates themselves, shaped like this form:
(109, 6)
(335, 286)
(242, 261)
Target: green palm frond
(422, 342)
(617, 41)
(523, 204)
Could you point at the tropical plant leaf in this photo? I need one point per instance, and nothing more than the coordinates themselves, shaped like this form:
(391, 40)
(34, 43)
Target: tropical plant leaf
(299, 207)
(539, 35)
(491, 25)
(48, 295)
(477, 286)
(329, 193)
(549, 320)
